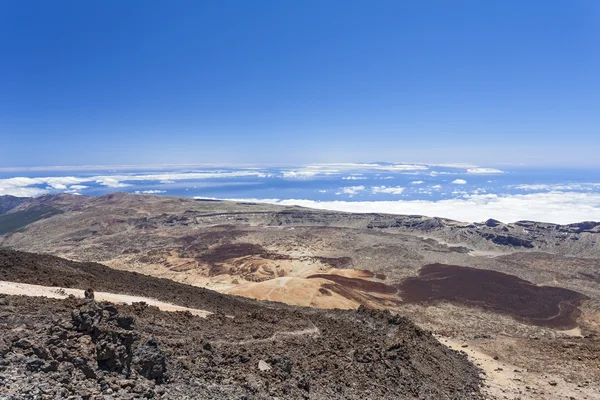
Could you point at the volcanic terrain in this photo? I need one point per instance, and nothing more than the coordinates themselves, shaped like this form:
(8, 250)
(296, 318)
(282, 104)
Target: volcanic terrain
(513, 296)
(83, 348)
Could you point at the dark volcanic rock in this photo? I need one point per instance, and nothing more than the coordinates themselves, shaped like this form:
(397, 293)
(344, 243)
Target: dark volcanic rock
(508, 240)
(410, 221)
(150, 362)
(89, 294)
(541, 305)
(83, 348)
(583, 226)
(88, 319)
(492, 223)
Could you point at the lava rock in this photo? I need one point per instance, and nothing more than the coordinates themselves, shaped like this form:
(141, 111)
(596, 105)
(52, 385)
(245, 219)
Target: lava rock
(89, 294)
(150, 362)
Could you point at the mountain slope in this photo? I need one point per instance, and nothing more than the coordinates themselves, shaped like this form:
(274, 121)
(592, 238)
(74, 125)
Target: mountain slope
(62, 347)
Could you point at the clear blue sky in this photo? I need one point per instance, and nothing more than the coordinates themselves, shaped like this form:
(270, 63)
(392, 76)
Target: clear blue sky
(146, 82)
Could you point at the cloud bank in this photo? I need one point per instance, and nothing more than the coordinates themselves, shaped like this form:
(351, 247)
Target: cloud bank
(557, 187)
(315, 170)
(484, 171)
(554, 207)
(29, 187)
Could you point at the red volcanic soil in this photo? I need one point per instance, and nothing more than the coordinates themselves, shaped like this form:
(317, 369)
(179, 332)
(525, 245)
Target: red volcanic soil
(495, 291)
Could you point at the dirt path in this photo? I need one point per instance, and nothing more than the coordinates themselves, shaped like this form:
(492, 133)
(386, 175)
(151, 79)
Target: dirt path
(14, 288)
(506, 381)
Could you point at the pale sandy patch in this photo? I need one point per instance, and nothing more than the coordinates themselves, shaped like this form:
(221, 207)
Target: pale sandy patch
(506, 381)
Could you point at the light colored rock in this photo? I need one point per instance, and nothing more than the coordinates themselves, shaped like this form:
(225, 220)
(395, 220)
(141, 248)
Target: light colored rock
(264, 366)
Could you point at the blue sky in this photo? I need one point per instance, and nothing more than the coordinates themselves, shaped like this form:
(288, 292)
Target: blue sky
(147, 82)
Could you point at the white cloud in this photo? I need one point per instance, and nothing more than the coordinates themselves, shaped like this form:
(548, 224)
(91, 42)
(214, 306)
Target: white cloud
(322, 191)
(417, 182)
(150, 191)
(61, 182)
(77, 187)
(24, 186)
(558, 187)
(354, 178)
(301, 174)
(555, 207)
(436, 187)
(112, 182)
(22, 191)
(403, 167)
(314, 170)
(459, 182)
(369, 166)
(436, 173)
(351, 190)
(387, 190)
(484, 171)
(455, 165)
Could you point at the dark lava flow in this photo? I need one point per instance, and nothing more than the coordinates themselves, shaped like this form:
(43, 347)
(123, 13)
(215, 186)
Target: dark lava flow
(358, 284)
(495, 291)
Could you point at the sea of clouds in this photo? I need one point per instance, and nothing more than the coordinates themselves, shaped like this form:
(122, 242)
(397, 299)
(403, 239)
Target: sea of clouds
(458, 191)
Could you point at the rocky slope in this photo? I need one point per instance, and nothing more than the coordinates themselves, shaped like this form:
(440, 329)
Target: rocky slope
(8, 203)
(292, 254)
(78, 348)
(515, 287)
(121, 211)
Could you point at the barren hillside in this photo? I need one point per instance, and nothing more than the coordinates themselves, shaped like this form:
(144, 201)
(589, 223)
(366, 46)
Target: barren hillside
(501, 289)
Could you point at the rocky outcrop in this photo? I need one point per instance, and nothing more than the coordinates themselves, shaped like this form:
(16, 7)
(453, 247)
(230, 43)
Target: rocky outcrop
(588, 226)
(75, 348)
(508, 240)
(150, 362)
(81, 352)
(117, 348)
(492, 223)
